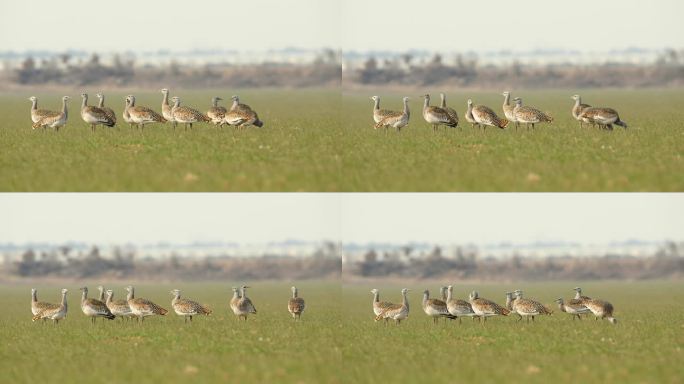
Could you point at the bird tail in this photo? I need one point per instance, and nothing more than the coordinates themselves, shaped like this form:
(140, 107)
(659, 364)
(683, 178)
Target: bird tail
(36, 125)
(163, 311)
(621, 123)
(451, 317)
(612, 320)
(36, 317)
(548, 118)
(207, 310)
(259, 123)
(110, 123)
(503, 123)
(110, 316)
(505, 311)
(379, 317)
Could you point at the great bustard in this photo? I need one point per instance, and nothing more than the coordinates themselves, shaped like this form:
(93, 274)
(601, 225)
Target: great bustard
(54, 119)
(578, 107)
(241, 115)
(450, 111)
(110, 112)
(118, 308)
(458, 307)
(469, 116)
(604, 117)
(435, 308)
(244, 306)
(94, 308)
(397, 120)
(37, 306)
(528, 307)
(217, 113)
(142, 308)
(296, 305)
(379, 306)
(573, 309)
(484, 116)
(140, 115)
(437, 116)
(379, 114)
(186, 115)
(186, 307)
(55, 312)
(528, 115)
(396, 312)
(508, 108)
(234, 300)
(579, 298)
(37, 114)
(484, 308)
(601, 309)
(166, 108)
(127, 116)
(94, 115)
(509, 303)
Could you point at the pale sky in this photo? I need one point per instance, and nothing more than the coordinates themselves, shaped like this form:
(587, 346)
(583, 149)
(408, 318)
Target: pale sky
(448, 25)
(359, 217)
(168, 24)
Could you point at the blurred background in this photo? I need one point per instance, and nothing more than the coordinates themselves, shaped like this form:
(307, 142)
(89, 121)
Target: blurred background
(262, 43)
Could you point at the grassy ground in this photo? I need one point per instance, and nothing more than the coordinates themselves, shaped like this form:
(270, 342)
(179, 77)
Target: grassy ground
(295, 150)
(268, 348)
(646, 346)
(558, 157)
(319, 141)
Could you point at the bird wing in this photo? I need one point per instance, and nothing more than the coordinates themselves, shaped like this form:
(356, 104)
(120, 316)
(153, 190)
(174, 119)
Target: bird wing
(189, 114)
(389, 311)
(388, 119)
(441, 115)
(245, 305)
(146, 114)
(48, 119)
(99, 114)
(146, 306)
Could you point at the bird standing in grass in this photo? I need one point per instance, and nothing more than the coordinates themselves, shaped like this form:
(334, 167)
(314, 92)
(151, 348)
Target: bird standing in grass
(396, 120)
(601, 309)
(118, 308)
(572, 309)
(435, 308)
(457, 307)
(142, 308)
(244, 306)
(186, 115)
(108, 111)
(484, 308)
(54, 119)
(379, 114)
(450, 111)
(379, 306)
(578, 107)
(604, 117)
(140, 115)
(296, 305)
(94, 308)
(437, 116)
(485, 116)
(508, 108)
(528, 115)
(217, 113)
(528, 307)
(166, 108)
(186, 307)
(54, 312)
(37, 114)
(396, 312)
(94, 115)
(37, 306)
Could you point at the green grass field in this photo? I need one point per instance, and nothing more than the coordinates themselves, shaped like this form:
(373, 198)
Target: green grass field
(558, 157)
(270, 347)
(646, 345)
(295, 151)
(320, 141)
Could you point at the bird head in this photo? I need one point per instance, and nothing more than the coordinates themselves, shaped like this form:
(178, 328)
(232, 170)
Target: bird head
(175, 292)
(505, 93)
(165, 91)
(404, 291)
(375, 98)
(99, 95)
(33, 98)
(559, 300)
(575, 97)
(470, 102)
(64, 291)
(374, 291)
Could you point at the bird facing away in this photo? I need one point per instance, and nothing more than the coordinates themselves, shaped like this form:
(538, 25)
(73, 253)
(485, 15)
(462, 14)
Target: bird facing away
(450, 111)
(604, 117)
(94, 308)
(469, 117)
(110, 113)
(601, 309)
(528, 307)
(55, 312)
(142, 308)
(484, 116)
(37, 306)
(187, 308)
(379, 306)
(457, 307)
(242, 115)
(127, 116)
(186, 115)
(118, 308)
(216, 113)
(435, 308)
(379, 114)
(509, 303)
(296, 305)
(397, 120)
(244, 306)
(37, 114)
(579, 298)
(140, 115)
(573, 309)
(234, 300)
(94, 115)
(508, 108)
(528, 115)
(437, 116)
(166, 108)
(396, 312)
(578, 107)
(54, 119)
(484, 308)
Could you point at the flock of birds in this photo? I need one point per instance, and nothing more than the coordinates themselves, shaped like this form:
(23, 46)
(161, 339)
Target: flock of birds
(239, 115)
(108, 308)
(483, 116)
(449, 307)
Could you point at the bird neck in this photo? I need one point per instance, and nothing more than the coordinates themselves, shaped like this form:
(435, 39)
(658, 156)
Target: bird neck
(84, 296)
(376, 297)
(578, 294)
(294, 294)
(101, 103)
(406, 107)
(102, 295)
(578, 102)
(236, 102)
(176, 104)
(84, 102)
(64, 108)
(214, 102)
(34, 104)
(426, 297)
(131, 294)
(109, 298)
(443, 103)
(176, 297)
(34, 296)
(404, 301)
(64, 303)
(507, 99)
(449, 295)
(165, 99)
(242, 292)
(426, 103)
(377, 104)
(470, 109)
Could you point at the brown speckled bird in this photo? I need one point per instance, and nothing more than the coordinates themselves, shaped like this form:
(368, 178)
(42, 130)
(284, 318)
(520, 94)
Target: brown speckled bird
(437, 116)
(393, 119)
(186, 115)
(578, 107)
(604, 117)
(94, 308)
(296, 305)
(244, 306)
(528, 115)
(53, 119)
(528, 307)
(186, 307)
(485, 116)
(572, 309)
(450, 111)
(484, 308)
(142, 308)
(216, 113)
(140, 115)
(435, 308)
(601, 309)
(118, 308)
(55, 312)
(108, 111)
(396, 312)
(379, 114)
(457, 307)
